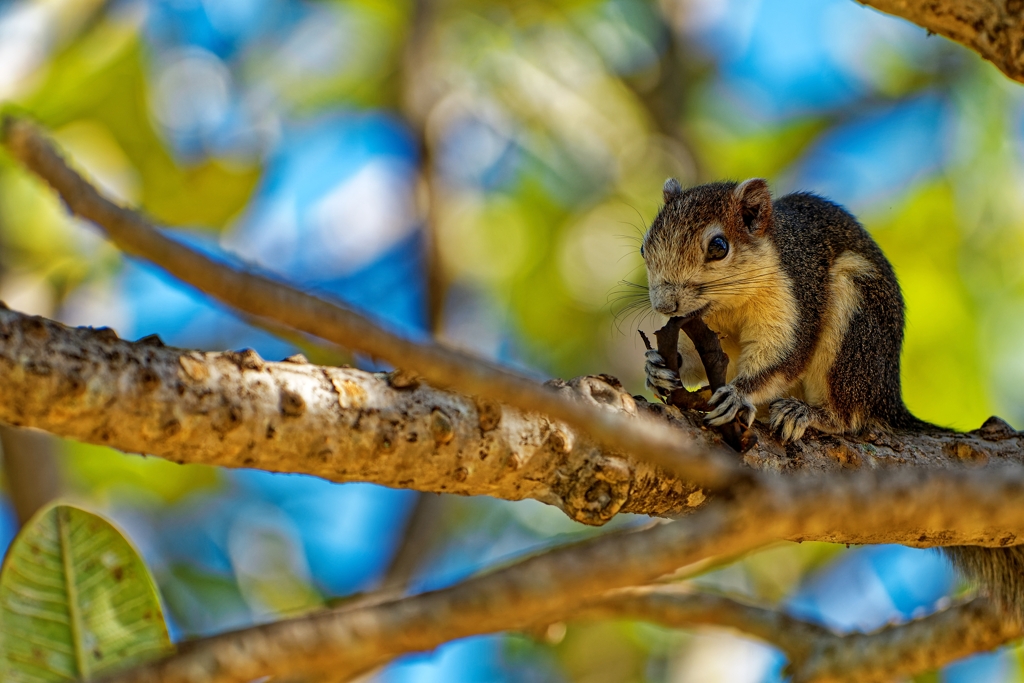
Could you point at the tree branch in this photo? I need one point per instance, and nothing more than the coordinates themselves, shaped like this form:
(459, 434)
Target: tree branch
(31, 470)
(814, 652)
(994, 29)
(915, 505)
(418, 538)
(263, 297)
(236, 410)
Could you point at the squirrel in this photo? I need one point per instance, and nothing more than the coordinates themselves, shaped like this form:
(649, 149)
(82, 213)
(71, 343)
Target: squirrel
(809, 309)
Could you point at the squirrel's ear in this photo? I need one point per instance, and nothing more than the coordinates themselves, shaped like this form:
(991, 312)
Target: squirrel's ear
(755, 203)
(671, 189)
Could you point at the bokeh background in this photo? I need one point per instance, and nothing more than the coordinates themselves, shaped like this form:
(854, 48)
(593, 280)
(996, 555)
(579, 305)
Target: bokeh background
(480, 171)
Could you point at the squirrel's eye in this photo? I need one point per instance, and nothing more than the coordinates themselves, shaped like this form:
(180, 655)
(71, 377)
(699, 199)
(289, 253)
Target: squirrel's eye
(642, 255)
(718, 248)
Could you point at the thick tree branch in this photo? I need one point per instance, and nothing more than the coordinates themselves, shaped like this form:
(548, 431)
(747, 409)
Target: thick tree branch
(992, 28)
(266, 298)
(236, 410)
(814, 652)
(917, 505)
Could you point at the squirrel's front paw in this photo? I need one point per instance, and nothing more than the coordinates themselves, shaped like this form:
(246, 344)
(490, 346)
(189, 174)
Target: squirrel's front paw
(729, 404)
(790, 418)
(660, 379)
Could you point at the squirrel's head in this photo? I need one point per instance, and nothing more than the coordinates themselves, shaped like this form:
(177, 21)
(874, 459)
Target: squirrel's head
(705, 247)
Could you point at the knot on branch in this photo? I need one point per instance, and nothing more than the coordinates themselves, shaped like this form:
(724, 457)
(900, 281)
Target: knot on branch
(488, 413)
(596, 485)
(403, 380)
(246, 359)
(598, 490)
(995, 429)
(600, 390)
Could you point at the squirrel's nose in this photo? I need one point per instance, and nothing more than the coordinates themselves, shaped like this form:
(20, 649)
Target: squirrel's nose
(665, 305)
(667, 308)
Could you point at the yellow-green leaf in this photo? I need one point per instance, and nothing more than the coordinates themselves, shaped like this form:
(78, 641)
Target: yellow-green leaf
(76, 601)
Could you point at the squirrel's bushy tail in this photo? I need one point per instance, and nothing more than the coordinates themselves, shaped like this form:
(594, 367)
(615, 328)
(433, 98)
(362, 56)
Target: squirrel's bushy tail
(999, 572)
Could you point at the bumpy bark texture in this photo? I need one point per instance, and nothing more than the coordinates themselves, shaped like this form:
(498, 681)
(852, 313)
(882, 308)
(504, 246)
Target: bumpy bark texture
(236, 410)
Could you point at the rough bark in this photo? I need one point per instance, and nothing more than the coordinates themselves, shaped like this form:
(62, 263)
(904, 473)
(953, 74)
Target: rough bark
(992, 28)
(236, 410)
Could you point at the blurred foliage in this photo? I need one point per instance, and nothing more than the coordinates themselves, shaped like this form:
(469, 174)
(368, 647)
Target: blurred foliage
(106, 475)
(542, 134)
(944, 370)
(202, 602)
(94, 97)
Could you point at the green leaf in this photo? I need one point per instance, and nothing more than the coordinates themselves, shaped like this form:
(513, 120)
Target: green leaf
(76, 601)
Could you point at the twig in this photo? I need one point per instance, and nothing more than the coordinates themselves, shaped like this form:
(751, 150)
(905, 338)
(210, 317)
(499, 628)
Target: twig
(668, 346)
(417, 539)
(412, 62)
(31, 469)
(263, 297)
(715, 362)
(716, 365)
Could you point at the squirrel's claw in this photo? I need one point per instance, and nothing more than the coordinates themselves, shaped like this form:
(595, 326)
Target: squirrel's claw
(729, 404)
(789, 418)
(660, 379)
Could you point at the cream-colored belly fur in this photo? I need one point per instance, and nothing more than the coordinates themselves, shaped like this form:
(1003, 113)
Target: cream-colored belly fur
(758, 333)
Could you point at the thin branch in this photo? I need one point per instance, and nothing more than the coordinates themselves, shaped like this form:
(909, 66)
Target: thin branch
(937, 506)
(994, 29)
(676, 607)
(419, 536)
(442, 367)
(815, 653)
(412, 64)
(31, 469)
(420, 531)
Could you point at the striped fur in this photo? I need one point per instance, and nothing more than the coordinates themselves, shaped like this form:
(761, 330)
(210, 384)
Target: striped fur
(806, 304)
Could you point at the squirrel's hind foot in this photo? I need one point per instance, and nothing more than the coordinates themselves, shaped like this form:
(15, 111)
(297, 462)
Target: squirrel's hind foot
(790, 418)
